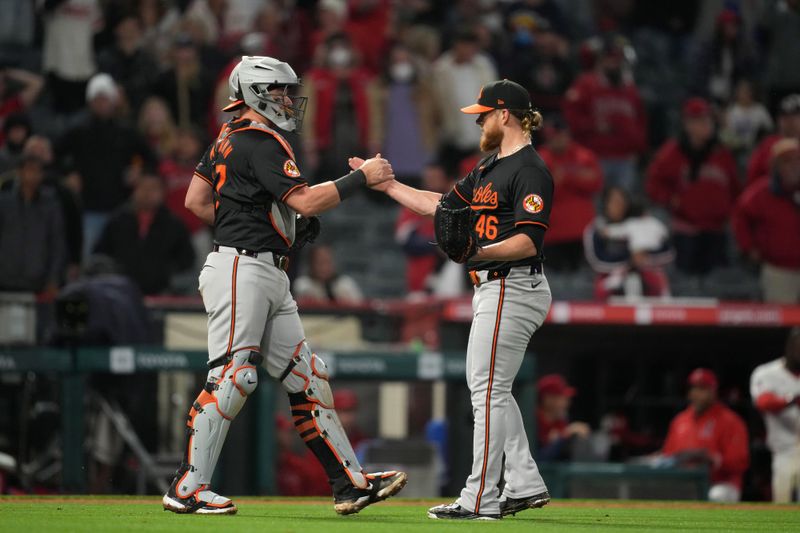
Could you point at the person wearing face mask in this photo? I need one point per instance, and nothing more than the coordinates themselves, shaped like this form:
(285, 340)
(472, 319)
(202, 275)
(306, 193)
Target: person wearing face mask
(766, 222)
(404, 120)
(605, 113)
(339, 113)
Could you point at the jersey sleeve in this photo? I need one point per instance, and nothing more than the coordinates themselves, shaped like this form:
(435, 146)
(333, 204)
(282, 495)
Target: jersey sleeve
(461, 194)
(203, 168)
(276, 170)
(531, 194)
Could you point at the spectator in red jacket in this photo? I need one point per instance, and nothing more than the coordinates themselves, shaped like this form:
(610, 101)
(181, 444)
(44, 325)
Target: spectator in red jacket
(338, 113)
(788, 126)
(555, 432)
(578, 177)
(605, 114)
(709, 433)
(696, 179)
(415, 234)
(766, 222)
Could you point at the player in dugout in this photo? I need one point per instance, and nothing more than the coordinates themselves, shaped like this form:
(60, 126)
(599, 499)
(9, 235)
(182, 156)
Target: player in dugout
(709, 433)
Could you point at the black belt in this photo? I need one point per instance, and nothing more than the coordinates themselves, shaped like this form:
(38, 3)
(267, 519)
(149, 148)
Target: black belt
(500, 273)
(280, 261)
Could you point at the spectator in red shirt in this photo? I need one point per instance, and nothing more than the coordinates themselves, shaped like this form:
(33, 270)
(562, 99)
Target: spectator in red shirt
(346, 402)
(554, 431)
(788, 126)
(18, 91)
(299, 474)
(177, 170)
(695, 177)
(709, 433)
(578, 178)
(415, 234)
(605, 114)
(766, 223)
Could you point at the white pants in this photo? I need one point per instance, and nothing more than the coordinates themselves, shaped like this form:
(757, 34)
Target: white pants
(249, 306)
(507, 312)
(786, 476)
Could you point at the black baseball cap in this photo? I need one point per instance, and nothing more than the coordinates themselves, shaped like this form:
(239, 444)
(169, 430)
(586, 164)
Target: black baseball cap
(500, 94)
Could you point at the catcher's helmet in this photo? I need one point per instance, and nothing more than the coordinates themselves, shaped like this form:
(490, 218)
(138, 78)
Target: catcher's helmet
(250, 84)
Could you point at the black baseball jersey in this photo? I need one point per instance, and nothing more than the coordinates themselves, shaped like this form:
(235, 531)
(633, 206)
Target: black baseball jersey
(253, 170)
(509, 195)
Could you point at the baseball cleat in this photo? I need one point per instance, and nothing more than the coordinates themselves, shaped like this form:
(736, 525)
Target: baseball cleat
(453, 511)
(511, 506)
(381, 486)
(201, 501)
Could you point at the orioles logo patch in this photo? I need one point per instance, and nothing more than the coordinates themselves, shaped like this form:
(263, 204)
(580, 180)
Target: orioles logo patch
(533, 203)
(290, 169)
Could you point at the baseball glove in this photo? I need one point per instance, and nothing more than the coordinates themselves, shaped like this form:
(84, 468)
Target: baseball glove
(454, 232)
(306, 230)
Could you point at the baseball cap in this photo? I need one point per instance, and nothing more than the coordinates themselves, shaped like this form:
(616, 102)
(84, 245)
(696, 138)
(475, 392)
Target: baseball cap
(784, 146)
(554, 384)
(500, 94)
(696, 107)
(345, 399)
(790, 105)
(101, 85)
(703, 377)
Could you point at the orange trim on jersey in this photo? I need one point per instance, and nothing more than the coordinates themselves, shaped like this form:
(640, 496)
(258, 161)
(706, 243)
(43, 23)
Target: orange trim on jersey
(207, 180)
(481, 207)
(279, 232)
(275, 134)
(489, 395)
(535, 223)
(292, 191)
(455, 190)
(233, 306)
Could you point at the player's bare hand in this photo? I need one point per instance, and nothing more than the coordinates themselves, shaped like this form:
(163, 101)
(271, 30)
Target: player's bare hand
(377, 170)
(355, 162)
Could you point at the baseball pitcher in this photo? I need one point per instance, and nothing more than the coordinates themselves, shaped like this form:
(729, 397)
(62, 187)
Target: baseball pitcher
(494, 220)
(250, 188)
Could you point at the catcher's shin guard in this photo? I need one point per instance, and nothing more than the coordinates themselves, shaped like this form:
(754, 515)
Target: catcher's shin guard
(311, 399)
(229, 384)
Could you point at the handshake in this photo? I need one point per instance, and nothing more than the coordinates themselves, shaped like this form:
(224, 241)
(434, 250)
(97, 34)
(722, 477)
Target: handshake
(377, 170)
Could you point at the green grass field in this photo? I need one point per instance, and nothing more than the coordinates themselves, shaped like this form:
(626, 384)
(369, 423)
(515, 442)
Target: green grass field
(144, 514)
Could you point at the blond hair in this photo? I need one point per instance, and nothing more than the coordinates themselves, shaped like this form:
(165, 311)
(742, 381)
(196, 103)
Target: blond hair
(530, 120)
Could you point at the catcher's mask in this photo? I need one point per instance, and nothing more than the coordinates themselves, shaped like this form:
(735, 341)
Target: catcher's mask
(271, 88)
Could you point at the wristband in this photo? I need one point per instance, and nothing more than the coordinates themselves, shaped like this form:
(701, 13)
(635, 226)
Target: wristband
(349, 184)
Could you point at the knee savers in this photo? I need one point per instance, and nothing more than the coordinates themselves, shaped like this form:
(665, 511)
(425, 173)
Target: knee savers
(311, 398)
(237, 379)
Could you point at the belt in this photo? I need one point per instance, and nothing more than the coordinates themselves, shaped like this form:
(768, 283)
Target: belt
(478, 277)
(280, 261)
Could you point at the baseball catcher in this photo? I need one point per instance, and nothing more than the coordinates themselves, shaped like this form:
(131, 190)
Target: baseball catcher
(249, 187)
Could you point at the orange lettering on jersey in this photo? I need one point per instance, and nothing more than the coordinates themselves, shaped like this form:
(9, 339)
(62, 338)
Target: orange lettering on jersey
(484, 197)
(225, 147)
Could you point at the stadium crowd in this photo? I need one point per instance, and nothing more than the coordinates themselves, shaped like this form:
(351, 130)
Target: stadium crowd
(671, 130)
